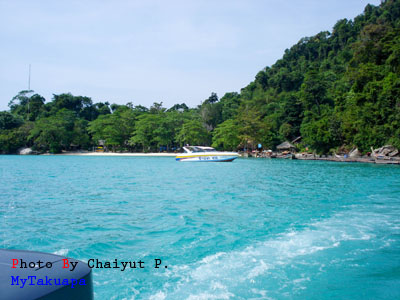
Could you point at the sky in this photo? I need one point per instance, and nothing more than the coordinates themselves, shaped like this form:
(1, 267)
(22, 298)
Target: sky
(152, 51)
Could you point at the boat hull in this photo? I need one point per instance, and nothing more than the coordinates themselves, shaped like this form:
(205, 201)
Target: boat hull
(206, 158)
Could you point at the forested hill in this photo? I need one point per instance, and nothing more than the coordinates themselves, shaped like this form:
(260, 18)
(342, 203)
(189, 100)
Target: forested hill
(336, 89)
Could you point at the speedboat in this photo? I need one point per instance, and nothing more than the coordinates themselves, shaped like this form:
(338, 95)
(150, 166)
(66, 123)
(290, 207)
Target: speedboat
(200, 153)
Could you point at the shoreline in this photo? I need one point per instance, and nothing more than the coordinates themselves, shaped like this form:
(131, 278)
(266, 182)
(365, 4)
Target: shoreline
(361, 159)
(355, 160)
(151, 154)
(368, 160)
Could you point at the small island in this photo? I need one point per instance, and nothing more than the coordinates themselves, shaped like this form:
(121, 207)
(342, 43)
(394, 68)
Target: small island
(338, 90)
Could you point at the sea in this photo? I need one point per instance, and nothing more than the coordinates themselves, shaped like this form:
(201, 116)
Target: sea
(249, 229)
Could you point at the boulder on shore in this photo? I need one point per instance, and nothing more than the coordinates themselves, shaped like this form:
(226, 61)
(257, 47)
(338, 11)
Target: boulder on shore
(394, 153)
(25, 151)
(355, 153)
(387, 150)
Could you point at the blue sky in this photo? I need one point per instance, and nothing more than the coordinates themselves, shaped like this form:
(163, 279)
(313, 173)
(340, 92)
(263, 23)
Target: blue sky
(152, 51)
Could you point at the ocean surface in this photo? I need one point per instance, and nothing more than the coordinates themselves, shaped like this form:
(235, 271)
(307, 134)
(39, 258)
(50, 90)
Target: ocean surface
(250, 229)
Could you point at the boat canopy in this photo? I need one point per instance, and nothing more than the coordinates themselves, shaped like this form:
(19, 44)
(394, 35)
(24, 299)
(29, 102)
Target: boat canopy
(196, 149)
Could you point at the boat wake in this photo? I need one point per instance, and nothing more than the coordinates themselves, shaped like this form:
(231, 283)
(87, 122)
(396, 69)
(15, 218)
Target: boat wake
(285, 264)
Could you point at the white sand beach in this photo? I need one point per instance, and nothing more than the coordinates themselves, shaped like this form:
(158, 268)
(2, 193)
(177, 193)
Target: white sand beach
(115, 154)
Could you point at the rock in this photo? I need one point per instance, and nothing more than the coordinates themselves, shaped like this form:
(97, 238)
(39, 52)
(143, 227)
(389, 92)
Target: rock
(385, 150)
(25, 151)
(355, 153)
(388, 151)
(394, 153)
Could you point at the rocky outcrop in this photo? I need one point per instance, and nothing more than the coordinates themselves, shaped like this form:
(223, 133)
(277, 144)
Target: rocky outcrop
(26, 151)
(387, 150)
(355, 153)
(394, 153)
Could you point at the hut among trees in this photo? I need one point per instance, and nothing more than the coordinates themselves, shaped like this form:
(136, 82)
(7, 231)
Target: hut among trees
(286, 146)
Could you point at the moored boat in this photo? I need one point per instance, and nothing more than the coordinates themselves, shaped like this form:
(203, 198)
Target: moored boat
(205, 154)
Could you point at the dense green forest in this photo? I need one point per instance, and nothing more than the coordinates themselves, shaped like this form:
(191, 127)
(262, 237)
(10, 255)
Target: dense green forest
(336, 89)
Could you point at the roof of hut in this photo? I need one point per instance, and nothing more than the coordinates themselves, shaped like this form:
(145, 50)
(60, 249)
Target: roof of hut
(285, 145)
(297, 140)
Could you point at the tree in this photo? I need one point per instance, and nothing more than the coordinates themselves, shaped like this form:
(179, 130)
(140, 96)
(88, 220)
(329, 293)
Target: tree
(167, 129)
(226, 135)
(250, 132)
(54, 133)
(103, 108)
(285, 131)
(116, 129)
(321, 133)
(80, 137)
(27, 105)
(157, 108)
(230, 103)
(9, 121)
(211, 114)
(13, 139)
(193, 133)
(314, 91)
(212, 99)
(179, 107)
(144, 133)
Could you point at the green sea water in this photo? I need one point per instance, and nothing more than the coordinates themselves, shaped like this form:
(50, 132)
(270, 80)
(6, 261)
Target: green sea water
(250, 229)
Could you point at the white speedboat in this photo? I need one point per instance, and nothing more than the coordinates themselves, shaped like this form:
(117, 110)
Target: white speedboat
(200, 153)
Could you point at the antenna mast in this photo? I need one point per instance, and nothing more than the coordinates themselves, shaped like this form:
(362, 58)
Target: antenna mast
(29, 78)
(29, 88)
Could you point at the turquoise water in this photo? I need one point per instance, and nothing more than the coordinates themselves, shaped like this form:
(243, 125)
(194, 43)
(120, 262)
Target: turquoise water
(250, 229)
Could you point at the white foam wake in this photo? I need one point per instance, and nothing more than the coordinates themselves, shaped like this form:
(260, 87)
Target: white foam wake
(62, 252)
(238, 274)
